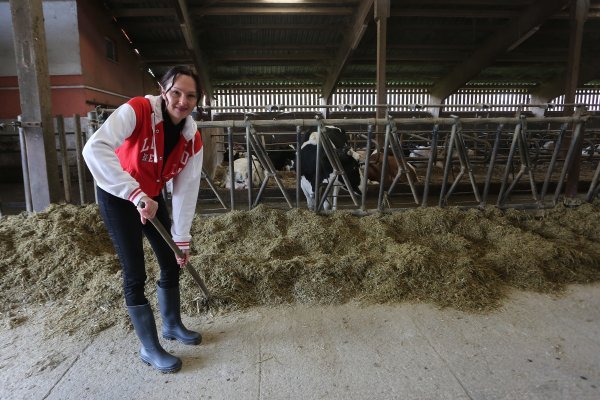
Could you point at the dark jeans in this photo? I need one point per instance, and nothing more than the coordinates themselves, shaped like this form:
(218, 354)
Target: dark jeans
(125, 229)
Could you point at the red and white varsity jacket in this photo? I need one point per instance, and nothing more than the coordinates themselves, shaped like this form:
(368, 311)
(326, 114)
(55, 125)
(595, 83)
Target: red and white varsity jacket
(125, 156)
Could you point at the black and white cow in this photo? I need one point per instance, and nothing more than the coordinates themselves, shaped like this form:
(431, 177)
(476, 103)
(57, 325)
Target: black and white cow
(308, 157)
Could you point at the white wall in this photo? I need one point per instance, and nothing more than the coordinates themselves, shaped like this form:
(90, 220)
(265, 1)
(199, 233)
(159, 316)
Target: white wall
(62, 38)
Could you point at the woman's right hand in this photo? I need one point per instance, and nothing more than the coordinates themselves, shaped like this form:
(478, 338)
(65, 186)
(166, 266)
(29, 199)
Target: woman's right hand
(147, 209)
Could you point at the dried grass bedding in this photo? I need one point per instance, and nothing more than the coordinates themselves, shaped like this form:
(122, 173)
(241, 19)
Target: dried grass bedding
(62, 258)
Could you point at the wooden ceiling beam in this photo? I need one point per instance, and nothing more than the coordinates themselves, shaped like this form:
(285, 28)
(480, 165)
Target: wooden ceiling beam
(144, 12)
(452, 13)
(306, 56)
(548, 91)
(187, 30)
(287, 27)
(352, 37)
(517, 30)
(272, 10)
(241, 10)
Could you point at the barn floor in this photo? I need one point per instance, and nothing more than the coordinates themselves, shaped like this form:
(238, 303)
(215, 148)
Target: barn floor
(535, 347)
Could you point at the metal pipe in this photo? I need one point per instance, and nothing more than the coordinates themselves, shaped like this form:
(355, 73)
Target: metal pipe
(25, 166)
(430, 163)
(593, 190)
(298, 162)
(384, 166)
(575, 143)
(384, 121)
(317, 170)
(488, 177)
(249, 164)
(448, 163)
(91, 128)
(79, 157)
(365, 182)
(231, 172)
(62, 140)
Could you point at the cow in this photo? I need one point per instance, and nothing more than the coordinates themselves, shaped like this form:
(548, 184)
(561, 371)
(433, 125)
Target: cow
(308, 157)
(424, 153)
(240, 173)
(375, 167)
(283, 157)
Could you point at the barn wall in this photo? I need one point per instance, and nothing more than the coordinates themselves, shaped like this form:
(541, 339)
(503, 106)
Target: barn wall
(80, 75)
(122, 79)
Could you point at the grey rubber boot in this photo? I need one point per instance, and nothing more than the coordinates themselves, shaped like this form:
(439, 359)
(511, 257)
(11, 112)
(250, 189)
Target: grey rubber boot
(151, 352)
(173, 329)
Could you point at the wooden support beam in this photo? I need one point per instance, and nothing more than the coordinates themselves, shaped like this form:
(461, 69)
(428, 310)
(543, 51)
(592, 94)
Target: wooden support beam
(505, 39)
(191, 42)
(550, 90)
(352, 37)
(223, 10)
(382, 13)
(36, 108)
(579, 10)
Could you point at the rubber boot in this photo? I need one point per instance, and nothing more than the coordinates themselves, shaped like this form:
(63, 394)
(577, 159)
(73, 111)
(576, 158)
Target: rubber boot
(151, 351)
(173, 329)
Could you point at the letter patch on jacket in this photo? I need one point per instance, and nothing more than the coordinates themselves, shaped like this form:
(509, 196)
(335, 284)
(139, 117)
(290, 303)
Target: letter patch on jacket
(148, 151)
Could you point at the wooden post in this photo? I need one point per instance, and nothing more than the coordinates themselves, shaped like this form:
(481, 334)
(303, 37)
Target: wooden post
(578, 15)
(29, 39)
(382, 13)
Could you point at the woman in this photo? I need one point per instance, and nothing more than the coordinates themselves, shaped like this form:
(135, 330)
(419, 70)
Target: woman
(143, 144)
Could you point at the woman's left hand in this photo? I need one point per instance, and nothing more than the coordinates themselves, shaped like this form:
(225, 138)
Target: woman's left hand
(183, 260)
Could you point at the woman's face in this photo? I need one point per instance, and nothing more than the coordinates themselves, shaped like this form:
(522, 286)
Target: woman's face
(181, 98)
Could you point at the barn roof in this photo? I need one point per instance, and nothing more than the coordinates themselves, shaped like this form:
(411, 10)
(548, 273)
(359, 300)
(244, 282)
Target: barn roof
(435, 43)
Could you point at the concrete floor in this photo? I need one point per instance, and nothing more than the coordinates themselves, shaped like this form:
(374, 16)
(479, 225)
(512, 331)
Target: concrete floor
(535, 347)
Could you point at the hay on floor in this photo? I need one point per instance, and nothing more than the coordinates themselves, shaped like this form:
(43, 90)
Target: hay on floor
(62, 258)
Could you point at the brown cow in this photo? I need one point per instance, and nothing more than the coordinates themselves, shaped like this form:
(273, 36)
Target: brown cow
(376, 164)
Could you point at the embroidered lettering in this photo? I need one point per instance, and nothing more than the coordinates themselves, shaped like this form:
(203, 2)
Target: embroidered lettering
(184, 158)
(146, 146)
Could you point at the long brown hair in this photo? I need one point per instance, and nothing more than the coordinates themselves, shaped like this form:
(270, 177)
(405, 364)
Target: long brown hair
(169, 78)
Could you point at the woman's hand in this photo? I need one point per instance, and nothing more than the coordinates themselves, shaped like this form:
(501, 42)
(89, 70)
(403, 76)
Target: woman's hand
(147, 209)
(183, 260)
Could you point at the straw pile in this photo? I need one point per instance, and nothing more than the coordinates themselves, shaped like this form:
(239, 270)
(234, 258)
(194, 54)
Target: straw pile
(62, 258)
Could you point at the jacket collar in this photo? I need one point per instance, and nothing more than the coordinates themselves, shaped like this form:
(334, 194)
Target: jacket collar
(189, 128)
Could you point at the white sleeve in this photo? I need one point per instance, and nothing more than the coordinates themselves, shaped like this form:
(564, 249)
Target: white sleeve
(185, 196)
(100, 157)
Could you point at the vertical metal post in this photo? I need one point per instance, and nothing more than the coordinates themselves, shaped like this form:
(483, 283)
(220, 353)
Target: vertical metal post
(64, 153)
(78, 150)
(448, 163)
(388, 130)
(430, 163)
(555, 153)
(298, 161)
(317, 169)
(363, 188)
(509, 161)
(25, 166)
(93, 125)
(490, 172)
(231, 176)
(249, 159)
(593, 190)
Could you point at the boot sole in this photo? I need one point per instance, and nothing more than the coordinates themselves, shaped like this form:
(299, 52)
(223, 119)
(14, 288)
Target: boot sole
(188, 342)
(163, 370)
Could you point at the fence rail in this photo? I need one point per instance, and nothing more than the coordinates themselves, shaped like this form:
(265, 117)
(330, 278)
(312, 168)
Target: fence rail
(509, 162)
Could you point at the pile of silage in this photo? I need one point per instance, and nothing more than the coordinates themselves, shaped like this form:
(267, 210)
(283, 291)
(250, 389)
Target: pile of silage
(467, 260)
